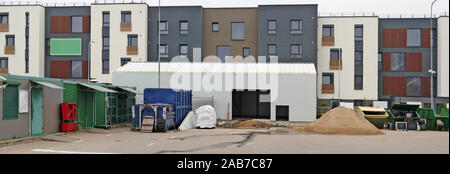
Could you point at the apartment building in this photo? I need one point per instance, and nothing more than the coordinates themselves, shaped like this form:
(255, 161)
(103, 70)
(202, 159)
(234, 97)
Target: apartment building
(289, 32)
(442, 56)
(230, 32)
(21, 39)
(346, 60)
(181, 29)
(67, 39)
(119, 35)
(405, 61)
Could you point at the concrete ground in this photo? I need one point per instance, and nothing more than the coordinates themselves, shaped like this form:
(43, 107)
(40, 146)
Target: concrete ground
(234, 141)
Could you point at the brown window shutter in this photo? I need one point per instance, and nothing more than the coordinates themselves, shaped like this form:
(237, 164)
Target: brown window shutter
(394, 37)
(85, 69)
(425, 86)
(386, 62)
(86, 24)
(60, 24)
(426, 33)
(413, 62)
(60, 69)
(394, 86)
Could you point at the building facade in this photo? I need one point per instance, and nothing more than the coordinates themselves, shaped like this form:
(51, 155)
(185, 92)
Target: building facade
(67, 39)
(442, 56)
(21, 39)
(119, 35)
(181, 31)
(230, 32)
(289, 32)
(346, 59)
(405, 59)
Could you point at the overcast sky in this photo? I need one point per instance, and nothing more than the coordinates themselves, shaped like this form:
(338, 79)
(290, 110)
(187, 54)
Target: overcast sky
(325, 6)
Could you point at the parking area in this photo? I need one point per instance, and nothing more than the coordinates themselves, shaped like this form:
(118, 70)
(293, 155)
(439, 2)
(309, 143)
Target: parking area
(233, 141)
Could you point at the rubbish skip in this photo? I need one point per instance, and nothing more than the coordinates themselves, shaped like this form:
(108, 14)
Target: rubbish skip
(406, 114)
(434, 121)
(206, 117)
(375, 115)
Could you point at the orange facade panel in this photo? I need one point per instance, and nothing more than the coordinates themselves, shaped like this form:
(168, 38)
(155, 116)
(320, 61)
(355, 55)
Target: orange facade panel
(327, 88)
(4, 27)
(425, 86)
(60, 24)
(10, 49)
(335, 64)
(413, 62)
(394, 37)
(4, 71)
(386, 62)
(86, 24)
(60, 69)
(327, 40)
(85, 69)
(394, 86)
(426, 33)
(125, 26)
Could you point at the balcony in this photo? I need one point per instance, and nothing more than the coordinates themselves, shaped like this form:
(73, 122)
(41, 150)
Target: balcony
(10, 49)
(125, 26)
(335, 64)
(327, 88)
(4, 27)
(327, 40)
(132, 50)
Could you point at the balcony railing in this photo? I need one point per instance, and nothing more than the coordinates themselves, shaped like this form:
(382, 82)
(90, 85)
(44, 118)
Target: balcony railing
(336, 64)
(10, 49)
(4, 27)
(132, 50)
(327, 88)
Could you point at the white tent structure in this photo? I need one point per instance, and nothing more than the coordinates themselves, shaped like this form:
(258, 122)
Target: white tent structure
(284, 91)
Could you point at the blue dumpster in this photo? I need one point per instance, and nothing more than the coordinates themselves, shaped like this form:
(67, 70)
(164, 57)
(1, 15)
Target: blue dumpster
(180, 99)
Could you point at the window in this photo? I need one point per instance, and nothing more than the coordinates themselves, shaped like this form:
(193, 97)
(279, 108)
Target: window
(245, 52)
(358, 32)
(184, 27)
(358, 82)
(414, 86)
(105, 19)
(380, 61)
(397, 61)
(27, 19)
(11, 102)
(164, 27)
(10, 40)
(77, 24)
(327, 78)
(215, 27)
(124, 61)
(76, 67)
(3, 62)
(272, 49)
(296, 51)
(3, 18)
(132, 40)
(328, 30)
(272, 27)
(237, 31)
(296, 27)
(105, 66)
(334, 54)
(414, 38)
(106, 43)
(222, 52)
(183, 49)
(125, 17)
(358, 63)
(164, 50)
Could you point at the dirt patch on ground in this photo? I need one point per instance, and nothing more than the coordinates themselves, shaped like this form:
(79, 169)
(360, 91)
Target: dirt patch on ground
(251, 124)
(341, 120)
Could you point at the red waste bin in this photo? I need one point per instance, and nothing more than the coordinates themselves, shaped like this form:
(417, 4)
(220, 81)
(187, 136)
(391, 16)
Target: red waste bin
(69, 117)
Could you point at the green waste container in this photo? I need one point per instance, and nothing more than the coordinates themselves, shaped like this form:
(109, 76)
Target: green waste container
(433, 119)
(444, 118)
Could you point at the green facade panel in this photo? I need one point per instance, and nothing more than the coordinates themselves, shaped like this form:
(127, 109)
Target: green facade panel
(65, 47)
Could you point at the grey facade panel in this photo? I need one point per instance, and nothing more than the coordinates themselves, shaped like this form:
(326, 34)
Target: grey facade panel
(283, 38)
(411, 23)
(192, 14)
(16, 127)
(85, 37)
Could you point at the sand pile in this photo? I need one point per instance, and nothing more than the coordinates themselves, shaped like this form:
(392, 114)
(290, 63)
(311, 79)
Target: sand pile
(251, 124)
(341, 120)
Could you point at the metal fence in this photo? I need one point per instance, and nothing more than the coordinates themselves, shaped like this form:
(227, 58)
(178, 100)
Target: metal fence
(368, 14)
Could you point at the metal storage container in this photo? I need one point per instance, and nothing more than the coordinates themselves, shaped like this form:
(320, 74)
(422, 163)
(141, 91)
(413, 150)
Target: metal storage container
(180, 99)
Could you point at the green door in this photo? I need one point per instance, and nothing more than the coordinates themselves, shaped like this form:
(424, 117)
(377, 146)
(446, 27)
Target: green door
(86, 109)
(36, 111)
